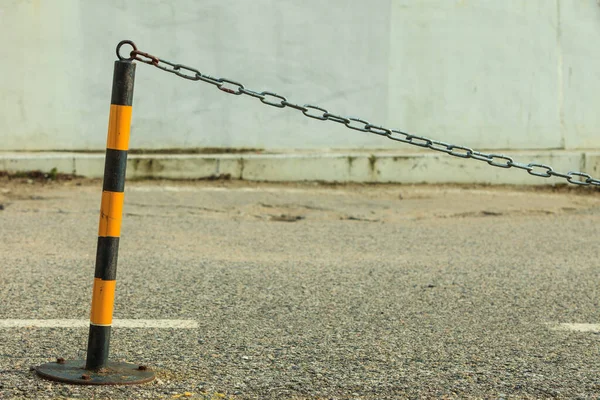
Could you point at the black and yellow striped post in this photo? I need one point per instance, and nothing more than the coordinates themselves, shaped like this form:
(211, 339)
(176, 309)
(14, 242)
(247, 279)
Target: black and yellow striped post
(111, 214)
(97, 370)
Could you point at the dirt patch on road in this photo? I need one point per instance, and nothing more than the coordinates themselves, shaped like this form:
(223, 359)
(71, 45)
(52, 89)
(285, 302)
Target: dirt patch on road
(296, 201)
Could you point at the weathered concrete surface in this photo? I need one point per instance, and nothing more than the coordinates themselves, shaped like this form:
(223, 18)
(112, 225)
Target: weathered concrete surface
(368, 167)
(374, 291)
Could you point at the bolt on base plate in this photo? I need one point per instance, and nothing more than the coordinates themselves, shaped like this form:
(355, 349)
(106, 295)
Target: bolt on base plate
(115, 373)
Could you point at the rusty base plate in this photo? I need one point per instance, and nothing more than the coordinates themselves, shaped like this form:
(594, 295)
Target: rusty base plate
(114, 374)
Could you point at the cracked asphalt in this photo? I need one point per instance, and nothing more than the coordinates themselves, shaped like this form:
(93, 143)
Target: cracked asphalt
(308, 291)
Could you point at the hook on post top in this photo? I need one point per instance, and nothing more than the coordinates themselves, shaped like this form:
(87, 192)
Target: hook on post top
(131, 54)
(135, 54)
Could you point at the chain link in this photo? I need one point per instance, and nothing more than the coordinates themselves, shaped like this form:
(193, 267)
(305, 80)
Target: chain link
(322, 114)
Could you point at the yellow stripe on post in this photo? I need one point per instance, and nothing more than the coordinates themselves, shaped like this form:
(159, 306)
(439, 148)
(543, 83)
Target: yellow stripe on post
(103, 300)
(119, 126)
(111, 214)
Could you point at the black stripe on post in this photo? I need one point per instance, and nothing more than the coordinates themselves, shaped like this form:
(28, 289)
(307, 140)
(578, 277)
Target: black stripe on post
(106, 258)
(99, 340)
(123, 77)
(114, 170)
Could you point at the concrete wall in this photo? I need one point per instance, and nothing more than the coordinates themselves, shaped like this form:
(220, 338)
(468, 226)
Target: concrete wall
(512, 74)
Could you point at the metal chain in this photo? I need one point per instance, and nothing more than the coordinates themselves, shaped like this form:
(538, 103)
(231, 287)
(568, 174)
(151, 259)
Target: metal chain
(319, 113)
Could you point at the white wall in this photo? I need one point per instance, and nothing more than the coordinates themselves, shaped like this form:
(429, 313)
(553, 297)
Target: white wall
(511, 74)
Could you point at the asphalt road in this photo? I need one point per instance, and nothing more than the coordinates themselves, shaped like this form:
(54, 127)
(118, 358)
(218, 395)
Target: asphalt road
(310, 291)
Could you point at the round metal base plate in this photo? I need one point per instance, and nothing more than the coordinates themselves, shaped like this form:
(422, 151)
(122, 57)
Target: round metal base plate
(114, 374)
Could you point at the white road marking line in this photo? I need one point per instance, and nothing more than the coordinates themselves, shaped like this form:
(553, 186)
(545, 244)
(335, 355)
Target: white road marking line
(576, 327)
(81, 323)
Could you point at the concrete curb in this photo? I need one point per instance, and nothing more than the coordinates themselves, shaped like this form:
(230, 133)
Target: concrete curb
(374, 166)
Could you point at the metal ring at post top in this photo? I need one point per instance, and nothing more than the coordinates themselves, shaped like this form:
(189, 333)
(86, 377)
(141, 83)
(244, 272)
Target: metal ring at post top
(123, 42)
